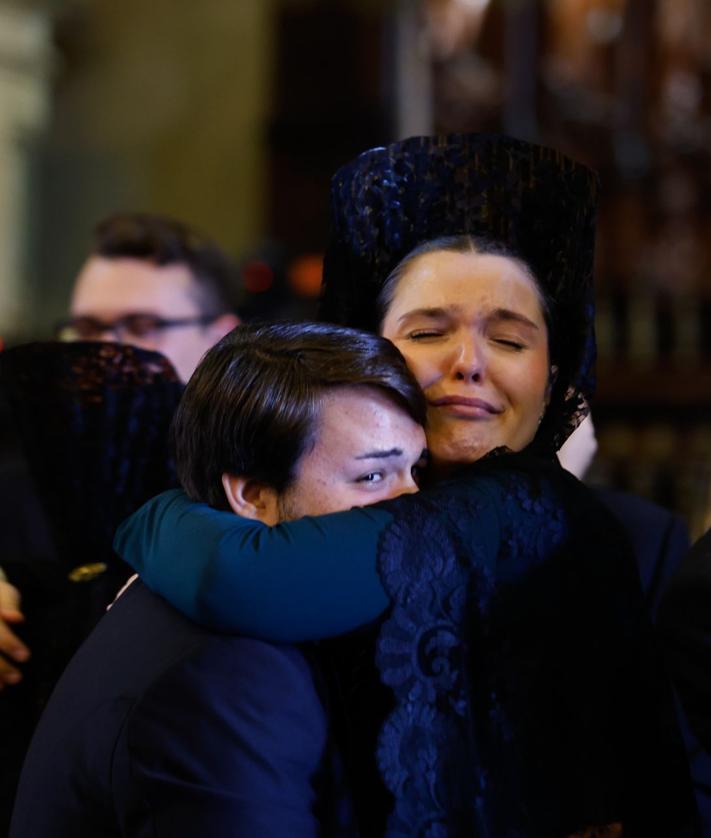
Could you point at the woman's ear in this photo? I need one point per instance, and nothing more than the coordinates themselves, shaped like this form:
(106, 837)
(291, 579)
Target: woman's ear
(251, 499)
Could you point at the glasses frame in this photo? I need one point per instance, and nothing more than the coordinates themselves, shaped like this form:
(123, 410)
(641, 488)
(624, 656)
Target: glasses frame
(120, 327)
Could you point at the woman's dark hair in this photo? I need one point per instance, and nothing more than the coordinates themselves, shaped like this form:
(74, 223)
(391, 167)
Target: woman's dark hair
(458, 244)
(251, 407)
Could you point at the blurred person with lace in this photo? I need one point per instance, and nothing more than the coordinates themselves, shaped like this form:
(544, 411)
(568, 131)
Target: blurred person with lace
(84, 441)
(152, 282)
(510, 685)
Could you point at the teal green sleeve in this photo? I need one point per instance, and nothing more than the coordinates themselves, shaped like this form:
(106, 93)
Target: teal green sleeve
(300, 580)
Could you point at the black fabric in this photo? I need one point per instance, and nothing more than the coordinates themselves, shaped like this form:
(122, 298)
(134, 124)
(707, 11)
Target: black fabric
(84, 441)
(160, 728)
(521, 686)
(685, 626)
(92, 420)
(524, 643)
(659, 538)
(359, 703)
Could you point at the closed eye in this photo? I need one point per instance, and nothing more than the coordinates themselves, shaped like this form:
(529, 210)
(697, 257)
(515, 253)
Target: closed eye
(511, 344)
(423, 334)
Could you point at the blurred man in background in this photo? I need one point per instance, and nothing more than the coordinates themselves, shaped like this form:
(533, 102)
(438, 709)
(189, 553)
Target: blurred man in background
(155, 283)
(152, 282)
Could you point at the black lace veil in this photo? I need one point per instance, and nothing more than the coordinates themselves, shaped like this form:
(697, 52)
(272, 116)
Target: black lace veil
(91, 421)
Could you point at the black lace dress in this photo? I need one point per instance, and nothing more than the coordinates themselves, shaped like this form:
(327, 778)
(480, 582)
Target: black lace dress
(518, 692)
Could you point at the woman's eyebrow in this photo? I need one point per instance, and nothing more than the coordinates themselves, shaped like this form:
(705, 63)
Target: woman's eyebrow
(507, 315)
(441, 312)
(432, 313)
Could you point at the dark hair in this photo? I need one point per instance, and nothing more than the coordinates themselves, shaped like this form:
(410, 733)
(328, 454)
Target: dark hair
(252, 404)
(165, 241)
(458, 244)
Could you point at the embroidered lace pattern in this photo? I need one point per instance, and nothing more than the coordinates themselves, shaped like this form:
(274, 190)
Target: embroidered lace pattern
(438, 567)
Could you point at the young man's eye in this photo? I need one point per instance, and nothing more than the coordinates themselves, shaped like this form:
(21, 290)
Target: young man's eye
(371, 477)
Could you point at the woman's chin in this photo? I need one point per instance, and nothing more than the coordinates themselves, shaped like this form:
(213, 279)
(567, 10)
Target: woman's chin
(447, 455)
(448, 452)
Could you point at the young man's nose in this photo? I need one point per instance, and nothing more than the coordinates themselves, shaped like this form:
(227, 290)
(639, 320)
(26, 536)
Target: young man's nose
(406, 486)
(108, 335)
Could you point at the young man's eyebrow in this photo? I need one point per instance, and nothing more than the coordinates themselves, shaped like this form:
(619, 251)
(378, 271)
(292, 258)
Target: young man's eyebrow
(380, 454)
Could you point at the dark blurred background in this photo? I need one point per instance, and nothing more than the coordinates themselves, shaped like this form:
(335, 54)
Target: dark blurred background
(233, 114)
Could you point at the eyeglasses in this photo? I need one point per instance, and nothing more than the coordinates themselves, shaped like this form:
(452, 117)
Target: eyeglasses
(134, 326)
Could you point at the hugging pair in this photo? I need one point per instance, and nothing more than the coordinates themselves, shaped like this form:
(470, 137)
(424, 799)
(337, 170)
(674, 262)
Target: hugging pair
(512, 687)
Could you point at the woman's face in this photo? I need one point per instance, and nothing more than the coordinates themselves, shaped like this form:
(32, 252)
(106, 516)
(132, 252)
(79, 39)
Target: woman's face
(472, 330)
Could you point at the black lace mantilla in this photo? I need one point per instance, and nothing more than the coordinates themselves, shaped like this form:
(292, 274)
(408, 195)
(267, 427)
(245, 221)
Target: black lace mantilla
(436, 566)
(523, 673)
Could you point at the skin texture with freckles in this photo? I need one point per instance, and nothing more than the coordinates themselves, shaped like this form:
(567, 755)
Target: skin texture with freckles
(366, 449)
(472, 330)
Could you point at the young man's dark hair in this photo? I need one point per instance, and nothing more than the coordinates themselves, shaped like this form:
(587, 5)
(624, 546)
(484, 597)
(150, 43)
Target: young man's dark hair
(252, 405)
(163, 241)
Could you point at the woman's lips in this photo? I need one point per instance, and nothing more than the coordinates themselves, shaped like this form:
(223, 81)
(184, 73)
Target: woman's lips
(465, 406)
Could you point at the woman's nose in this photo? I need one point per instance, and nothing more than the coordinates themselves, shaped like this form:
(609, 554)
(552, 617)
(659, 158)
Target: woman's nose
(468, 359)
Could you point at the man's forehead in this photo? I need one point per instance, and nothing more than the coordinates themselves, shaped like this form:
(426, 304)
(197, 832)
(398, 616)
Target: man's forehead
(347, 396)
(361, 412)
(123, 285)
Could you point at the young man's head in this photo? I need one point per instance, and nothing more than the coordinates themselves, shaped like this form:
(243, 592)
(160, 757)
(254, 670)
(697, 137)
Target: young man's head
(293, 419)
(155, 283)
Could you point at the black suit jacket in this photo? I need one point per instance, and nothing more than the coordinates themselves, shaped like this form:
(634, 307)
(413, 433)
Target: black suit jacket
(161, 728)
(659, 538)
(685, 626)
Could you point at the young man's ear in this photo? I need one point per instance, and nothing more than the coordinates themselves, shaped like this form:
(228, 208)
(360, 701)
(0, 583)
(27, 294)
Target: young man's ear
(251, 499)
